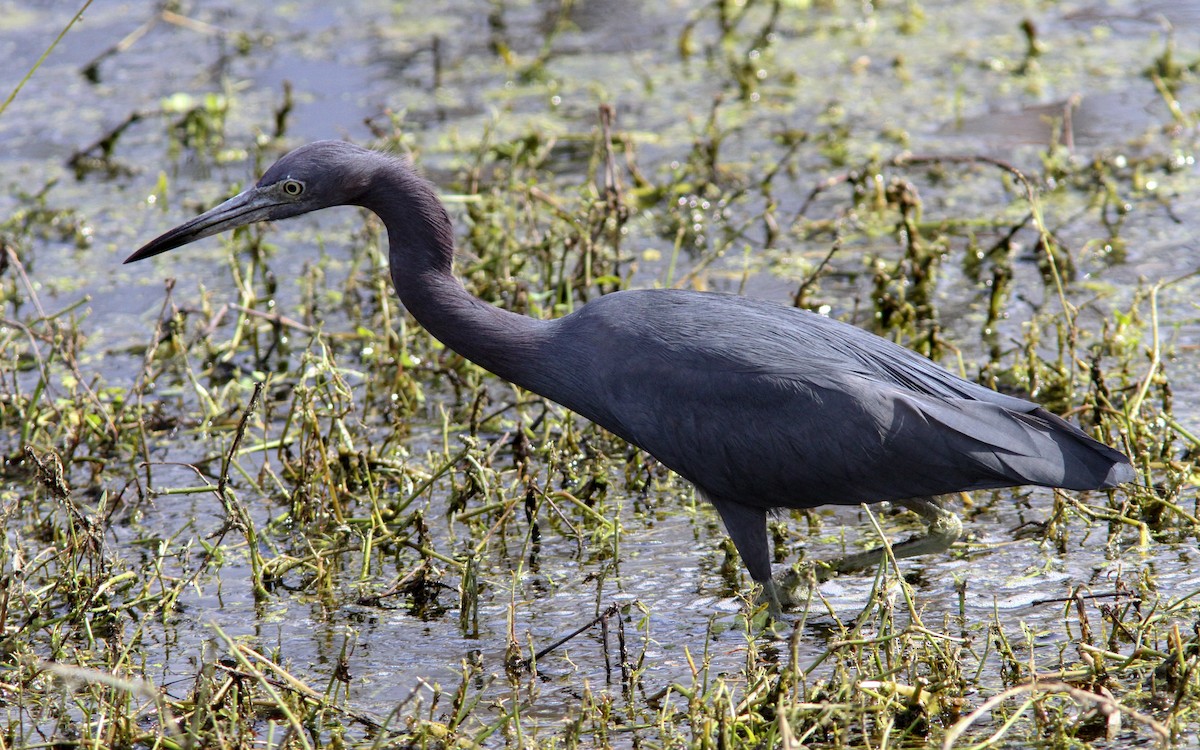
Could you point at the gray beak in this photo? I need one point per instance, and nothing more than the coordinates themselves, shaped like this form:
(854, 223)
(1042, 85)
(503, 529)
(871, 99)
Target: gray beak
(244, 208)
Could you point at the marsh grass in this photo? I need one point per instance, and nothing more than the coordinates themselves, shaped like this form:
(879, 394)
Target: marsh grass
(334, 454)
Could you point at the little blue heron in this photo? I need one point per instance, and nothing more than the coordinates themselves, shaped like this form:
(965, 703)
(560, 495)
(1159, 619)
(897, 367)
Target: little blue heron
(758, 405)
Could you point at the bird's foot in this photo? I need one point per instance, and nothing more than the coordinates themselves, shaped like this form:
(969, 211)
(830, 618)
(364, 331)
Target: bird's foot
(790, 588)
(943, 528)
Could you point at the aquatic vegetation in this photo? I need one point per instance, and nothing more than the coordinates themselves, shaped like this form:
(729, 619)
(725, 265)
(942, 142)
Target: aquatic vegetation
(256, 506)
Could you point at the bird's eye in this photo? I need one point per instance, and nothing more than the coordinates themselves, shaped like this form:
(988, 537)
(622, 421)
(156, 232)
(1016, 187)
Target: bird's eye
(293, 187)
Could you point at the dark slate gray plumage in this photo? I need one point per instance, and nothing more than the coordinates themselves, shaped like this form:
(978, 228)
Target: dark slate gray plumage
(760, 406)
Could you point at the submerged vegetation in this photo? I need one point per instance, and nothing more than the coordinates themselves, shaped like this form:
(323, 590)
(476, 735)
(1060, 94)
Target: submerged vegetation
(273, 512)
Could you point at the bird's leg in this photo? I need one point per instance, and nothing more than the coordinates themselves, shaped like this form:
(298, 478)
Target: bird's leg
(747, 527)
(774, 598)
(943, 529)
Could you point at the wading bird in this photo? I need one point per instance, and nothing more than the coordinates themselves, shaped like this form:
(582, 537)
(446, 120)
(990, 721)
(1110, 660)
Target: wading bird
(760, 406)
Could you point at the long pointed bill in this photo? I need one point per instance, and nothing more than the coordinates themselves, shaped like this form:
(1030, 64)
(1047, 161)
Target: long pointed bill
(244, 208)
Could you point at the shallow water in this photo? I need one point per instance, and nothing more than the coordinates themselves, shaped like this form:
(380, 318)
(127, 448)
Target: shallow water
(942, 85)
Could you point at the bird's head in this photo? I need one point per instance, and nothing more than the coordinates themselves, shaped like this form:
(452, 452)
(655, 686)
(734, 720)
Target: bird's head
(316, 176)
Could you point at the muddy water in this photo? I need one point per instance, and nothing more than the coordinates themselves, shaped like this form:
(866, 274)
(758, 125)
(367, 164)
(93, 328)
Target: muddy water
(946, 84)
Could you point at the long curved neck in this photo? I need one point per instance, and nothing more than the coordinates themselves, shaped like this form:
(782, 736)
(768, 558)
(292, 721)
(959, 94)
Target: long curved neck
(421, 253)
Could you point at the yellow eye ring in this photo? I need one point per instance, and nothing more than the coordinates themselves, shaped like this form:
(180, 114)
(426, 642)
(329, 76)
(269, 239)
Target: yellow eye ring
(293, 187)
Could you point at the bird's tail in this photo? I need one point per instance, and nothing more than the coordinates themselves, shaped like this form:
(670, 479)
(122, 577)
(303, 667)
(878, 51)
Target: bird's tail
(1087, 464)
(1007, 448)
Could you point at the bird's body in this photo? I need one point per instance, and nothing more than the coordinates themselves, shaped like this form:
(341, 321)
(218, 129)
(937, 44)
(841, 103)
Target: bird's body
(760, 406)
(807, 411)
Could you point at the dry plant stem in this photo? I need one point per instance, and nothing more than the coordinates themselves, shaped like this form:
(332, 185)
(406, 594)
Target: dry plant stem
(64, 354)
(1103, 703)
(601, 619)
(73, 674)
(275, 318)
(29, 74)
(277, 676)
(248, 659)
(138, 389)
(236, 514)
(1135, 404)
